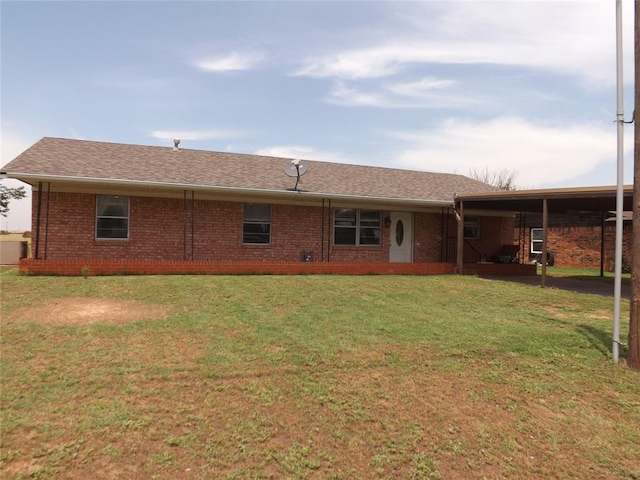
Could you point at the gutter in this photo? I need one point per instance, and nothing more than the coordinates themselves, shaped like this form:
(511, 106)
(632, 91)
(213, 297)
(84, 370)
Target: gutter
(230, 190)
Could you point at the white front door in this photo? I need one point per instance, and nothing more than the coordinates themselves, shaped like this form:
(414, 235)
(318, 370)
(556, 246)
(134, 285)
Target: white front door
(401, 237)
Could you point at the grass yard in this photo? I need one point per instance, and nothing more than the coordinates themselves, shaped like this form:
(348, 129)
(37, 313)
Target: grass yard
(319, 377)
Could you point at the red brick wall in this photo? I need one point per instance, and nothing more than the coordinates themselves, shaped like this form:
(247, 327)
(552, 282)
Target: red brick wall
(67, 229)
(428, 237)
(163, 229)
(171, 229)
(579, 246)
(218, 233)
(494, 233)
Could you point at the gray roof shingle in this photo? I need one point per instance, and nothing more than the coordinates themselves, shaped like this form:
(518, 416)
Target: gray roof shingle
(81, 159)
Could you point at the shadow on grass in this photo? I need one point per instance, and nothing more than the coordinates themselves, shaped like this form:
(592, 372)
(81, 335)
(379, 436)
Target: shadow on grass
(576, 283)
(599, 339)
(608, 280)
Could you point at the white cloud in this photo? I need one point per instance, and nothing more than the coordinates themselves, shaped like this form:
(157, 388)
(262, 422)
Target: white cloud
(354, 64)
(563, 37)
(194, 134)
(345, 95)
(426, 93)
(421, 87)
(233, 61)
(541, 154)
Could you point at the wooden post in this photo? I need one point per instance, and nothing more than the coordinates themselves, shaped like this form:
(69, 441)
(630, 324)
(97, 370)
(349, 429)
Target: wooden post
(460, 239)
(633, 360)
(602, 240)
(545, 223)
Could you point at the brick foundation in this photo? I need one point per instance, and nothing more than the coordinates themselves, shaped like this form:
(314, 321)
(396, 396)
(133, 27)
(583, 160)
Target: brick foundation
(157, 267)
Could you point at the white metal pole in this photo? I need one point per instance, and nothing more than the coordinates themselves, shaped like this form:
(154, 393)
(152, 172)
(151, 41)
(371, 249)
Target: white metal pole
(617, 288)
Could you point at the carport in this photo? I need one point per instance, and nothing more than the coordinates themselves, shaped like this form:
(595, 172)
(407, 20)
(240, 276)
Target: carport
(545, 201)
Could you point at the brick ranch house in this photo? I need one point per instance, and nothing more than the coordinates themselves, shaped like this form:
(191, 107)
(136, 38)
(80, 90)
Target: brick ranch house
(106, 208)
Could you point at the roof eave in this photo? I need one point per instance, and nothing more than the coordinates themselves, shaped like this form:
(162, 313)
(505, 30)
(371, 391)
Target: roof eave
(31, 178)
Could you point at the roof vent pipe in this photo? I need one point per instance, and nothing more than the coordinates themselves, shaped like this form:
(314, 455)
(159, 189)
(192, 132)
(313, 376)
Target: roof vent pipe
(176, 143)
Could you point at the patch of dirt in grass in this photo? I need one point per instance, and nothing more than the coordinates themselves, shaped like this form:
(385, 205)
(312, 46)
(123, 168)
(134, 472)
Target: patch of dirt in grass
(85, 311)
(382, 412)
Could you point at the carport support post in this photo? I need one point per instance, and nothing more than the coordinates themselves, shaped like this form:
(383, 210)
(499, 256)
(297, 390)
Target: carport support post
(545, 222)
(460, 239)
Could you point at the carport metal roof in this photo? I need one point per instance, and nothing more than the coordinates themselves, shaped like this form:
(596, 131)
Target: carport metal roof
(559, 200)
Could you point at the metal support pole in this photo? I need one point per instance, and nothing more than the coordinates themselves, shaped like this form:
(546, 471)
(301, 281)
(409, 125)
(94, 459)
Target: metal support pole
(46, 223)
(193, 227)
(36, 254)
(322, 234)
(617, 285)
(184, 225)
(329, 235)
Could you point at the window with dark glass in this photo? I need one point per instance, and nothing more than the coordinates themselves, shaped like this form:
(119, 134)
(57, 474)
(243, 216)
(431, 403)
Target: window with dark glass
(256, 228)
(471, 227)
(357, 227)
(112, 217)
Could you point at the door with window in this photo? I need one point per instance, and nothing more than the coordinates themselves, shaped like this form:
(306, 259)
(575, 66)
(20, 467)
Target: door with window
(401, 237)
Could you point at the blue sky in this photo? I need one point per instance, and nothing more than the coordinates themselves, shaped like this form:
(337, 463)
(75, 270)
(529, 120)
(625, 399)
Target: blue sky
(445, 86)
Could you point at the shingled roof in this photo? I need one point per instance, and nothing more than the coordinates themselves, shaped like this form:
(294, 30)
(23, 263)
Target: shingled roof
(60, 159)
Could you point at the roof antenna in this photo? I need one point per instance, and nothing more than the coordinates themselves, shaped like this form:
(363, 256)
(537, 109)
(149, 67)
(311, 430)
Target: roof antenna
(296, 169)
(176, 142)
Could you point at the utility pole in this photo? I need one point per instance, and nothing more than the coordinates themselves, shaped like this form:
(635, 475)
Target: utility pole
(633, 359)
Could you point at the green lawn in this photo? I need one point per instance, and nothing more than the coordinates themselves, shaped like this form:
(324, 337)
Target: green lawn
(196, 377)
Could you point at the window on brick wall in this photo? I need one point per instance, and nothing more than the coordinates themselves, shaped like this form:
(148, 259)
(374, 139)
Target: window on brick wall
(471, 227)
(356, 227)
(536, 240)
(112, 217)
(256, 227)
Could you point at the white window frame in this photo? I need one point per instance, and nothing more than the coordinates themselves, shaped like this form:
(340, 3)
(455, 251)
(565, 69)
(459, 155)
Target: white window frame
(358, 227)
(536, 241)
(256, 221)
(100, 199)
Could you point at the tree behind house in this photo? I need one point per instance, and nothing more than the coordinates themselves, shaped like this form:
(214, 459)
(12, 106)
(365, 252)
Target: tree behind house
(503, 179)
(7, 194)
